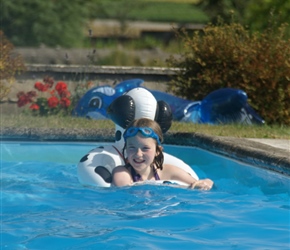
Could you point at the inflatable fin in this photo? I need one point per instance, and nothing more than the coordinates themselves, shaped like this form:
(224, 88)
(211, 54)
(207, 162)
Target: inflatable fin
(122, 111)
(127, 85)
(227, 106)
(163, 116)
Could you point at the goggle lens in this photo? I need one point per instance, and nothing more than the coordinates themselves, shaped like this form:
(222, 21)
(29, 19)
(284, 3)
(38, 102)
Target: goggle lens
(147, 132)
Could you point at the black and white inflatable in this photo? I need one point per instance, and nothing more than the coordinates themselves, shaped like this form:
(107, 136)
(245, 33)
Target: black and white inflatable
(95, 168)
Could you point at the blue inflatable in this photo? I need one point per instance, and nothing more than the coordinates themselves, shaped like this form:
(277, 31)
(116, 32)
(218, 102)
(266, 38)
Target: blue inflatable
(95, 102)
(223, 106)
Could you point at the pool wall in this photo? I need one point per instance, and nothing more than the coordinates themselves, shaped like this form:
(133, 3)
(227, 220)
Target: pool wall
(246, 151)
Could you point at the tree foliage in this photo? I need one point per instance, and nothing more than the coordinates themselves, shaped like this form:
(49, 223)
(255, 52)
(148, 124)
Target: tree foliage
(64, 22)
(259, 13)
(50, 22)
(254, 14)
(224, 9)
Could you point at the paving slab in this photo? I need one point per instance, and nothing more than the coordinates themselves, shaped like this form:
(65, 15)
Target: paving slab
(277, 143)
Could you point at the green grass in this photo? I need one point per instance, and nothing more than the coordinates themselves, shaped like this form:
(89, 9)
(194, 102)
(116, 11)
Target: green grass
(235, 130)
(238, 131)
(169, 12)
(159, 11)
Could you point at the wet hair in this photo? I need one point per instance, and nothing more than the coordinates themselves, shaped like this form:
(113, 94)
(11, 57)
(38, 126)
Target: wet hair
(145, 122)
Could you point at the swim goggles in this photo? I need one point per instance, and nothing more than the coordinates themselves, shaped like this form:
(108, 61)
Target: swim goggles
(147, 132)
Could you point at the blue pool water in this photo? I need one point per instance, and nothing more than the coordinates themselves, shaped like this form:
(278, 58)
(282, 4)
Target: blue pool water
(43, 206)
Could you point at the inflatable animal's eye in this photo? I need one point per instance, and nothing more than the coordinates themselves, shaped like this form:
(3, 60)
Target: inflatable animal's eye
(95, 102)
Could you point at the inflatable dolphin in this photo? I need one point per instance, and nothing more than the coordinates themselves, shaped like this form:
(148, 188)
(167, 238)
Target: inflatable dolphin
(223, 106)
(95, 102)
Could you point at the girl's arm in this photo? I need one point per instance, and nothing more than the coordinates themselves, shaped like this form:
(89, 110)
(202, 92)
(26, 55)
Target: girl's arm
(171, 172)
(204, 184)
(121, 177)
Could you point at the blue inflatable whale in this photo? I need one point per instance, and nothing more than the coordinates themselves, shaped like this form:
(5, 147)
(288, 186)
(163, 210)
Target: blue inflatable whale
(223, 106)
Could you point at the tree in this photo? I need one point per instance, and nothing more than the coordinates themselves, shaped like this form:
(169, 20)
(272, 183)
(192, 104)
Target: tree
(224, 9)
(50, 22)
(259, 13)
(254, 14)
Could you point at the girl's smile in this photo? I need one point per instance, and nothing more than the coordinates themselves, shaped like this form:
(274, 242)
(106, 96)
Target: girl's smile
(141, 152)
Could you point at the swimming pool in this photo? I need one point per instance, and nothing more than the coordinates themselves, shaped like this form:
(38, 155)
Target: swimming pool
(44, 206)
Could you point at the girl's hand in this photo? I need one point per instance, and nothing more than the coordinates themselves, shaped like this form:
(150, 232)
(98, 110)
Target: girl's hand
(205, 184)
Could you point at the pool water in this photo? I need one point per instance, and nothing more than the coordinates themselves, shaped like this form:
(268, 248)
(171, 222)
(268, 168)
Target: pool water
(43, 206)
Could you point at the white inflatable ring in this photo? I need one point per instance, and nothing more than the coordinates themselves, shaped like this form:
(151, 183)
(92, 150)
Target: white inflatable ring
(96, 167)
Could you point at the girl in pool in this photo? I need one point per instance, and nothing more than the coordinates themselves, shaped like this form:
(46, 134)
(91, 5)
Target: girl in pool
(144, 158)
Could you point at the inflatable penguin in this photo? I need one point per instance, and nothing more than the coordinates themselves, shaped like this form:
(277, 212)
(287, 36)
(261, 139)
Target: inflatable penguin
(96, 167)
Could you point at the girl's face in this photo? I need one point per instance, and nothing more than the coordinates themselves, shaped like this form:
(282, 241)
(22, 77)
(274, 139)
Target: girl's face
(141, 152)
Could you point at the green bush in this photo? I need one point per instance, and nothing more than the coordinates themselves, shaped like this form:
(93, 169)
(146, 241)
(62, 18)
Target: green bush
(229, 56)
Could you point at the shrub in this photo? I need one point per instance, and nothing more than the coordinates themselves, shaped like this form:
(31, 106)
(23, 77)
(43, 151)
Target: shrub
(227, 55)
(10, 65)
(51, 101)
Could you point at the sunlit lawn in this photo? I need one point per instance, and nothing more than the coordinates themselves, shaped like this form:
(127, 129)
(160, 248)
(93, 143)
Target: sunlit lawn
(239, 131)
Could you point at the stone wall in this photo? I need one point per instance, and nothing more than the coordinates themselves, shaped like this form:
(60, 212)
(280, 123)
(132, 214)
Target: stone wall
(154, 78)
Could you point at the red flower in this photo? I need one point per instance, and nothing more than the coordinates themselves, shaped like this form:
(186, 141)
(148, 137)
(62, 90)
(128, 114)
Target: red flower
(47, 86)
(23, 98)
(64, 93)
(60, 87)
(52, 102)
(34, 106)
(40, 86)
(31, 94)
(59, 97)
(65, 102)
(48, 81)
(22, 101)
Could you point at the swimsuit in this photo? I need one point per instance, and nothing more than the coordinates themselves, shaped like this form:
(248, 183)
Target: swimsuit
(136, 177)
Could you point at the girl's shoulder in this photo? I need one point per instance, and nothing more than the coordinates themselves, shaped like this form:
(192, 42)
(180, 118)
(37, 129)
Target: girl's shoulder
(122, 176)
(169, 167)
(170, 171)
(166, 171)
(121, 168)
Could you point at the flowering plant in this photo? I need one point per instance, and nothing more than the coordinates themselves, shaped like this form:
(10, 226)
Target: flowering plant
(51, 101)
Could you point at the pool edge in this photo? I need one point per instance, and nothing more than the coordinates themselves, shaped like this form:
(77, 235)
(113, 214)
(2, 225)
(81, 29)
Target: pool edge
(247, 151)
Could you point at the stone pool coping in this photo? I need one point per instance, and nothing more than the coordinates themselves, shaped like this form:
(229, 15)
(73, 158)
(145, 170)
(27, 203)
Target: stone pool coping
(244, 150)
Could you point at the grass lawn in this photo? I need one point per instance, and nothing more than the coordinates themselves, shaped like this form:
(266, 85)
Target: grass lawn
(169, 11)
(238, 131)
(145, 10)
